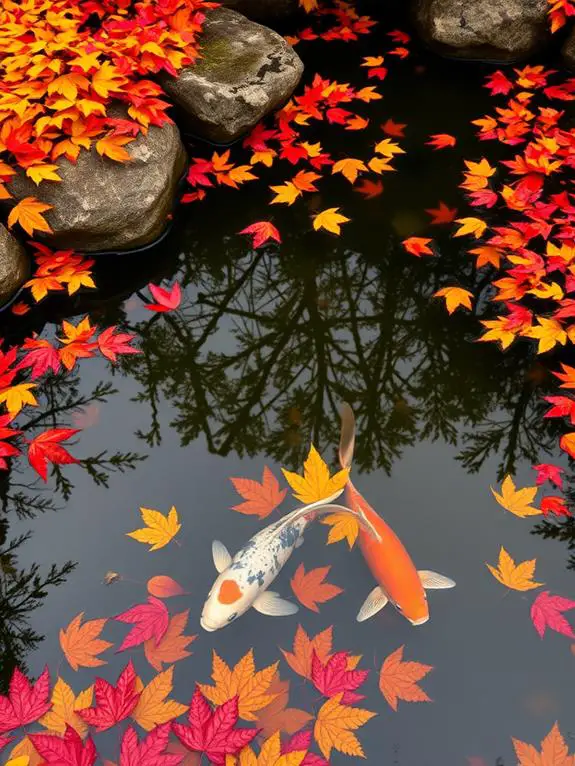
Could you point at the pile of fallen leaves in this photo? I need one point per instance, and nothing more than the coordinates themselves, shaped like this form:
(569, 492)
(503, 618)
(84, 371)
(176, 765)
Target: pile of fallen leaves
(63, 64)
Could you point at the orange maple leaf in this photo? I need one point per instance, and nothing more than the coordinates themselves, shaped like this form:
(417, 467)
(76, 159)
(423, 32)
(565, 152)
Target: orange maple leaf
(303, 648)
(80, 643)
(173, 645)
(277, 716)
(113, 147)
(398, 679)
(28, 213)
(260, 499)
(310, 587)
(335, 724)
(554, 751)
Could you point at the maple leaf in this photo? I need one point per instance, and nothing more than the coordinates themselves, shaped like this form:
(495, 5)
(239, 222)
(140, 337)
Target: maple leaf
(555, 505)
(455, 297)
(304, 181)
(153, 708)
(69, 749)
(166, 300)
(150, 621)
(516, 501)
(442, 214)
(277, 716)
(248, 687)
(213, 732)
(18, 396)
(80, 643)
(111, 343)
(516, 577)
(349, 168)
(28, 213)
(286, 193)
(303, 648)
(113, 147)
(549, 472)
(441, 141)
(554, 751)
(567, 443)
(398, 679)
(65, 706)
(46, 447)
(26, 702)
(77, 342)
(173, 645)
(417, 246)
(335, 724)
(158, 529)
(316, 483)
(394, 129)
(262, 232)
(563, 406)
(41, 357)
(369, 189)
(260, 499)
(163, 586)
(344, 526)
(549, 332)
(151, 751)
(388, 148)
(335, 676)
(330, 220)
(113, 703)
(25, 749)
(310, 587)
(473, 226)
(547, 612)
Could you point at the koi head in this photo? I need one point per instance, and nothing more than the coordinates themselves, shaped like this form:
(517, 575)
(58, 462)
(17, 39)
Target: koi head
(226, 601)
(415, 608)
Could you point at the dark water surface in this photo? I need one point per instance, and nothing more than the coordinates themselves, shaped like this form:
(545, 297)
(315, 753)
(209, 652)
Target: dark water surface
(253, 366)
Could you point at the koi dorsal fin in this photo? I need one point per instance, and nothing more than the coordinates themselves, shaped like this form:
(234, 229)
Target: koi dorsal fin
(434, 581)
(221, 556)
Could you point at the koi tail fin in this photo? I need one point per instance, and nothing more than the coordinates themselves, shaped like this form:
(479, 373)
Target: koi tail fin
(347, 436)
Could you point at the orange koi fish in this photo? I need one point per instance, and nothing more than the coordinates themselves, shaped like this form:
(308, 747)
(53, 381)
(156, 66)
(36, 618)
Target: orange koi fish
(391, 565)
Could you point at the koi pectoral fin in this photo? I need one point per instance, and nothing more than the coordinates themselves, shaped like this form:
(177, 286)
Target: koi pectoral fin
(373, 604)
(434, 581)
(221, 556)
(271, 604)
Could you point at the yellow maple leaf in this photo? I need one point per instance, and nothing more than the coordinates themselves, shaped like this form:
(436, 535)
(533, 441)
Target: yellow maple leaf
(497, 331)
(380, 165)
(344, 526)
(308, 5)
(517, 501)
(481, 168)
(159, 529)
(286, 193)
(316, 483)
(64, 709)
(153, 708)
(269, 755)
(21, 760)
(387, 148)
(514, 576)
(25, 749)
(28, 213)
(113, 147)
(16, 397)
(368, 94)
(473, 226)
(243, 681)
(329, 220)
(335, 724)
(454, 297)
(42, 171)
(349, 168)
(549, 332)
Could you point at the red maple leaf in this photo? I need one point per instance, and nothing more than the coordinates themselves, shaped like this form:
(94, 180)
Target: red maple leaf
(563, 406)
(166, 300)
(5, 741)
(150, 751)
(442, 214)
(150, 620)
(554, 504)
(6, 449)
(69, 750)
(25, 702)
(395, 129)
(213, 732)
(441, 141)
(111, 344)
(549, 472)
(262, 232)
(46, 447)
(113, 703)
(333, 677)
(417, 246)
(498, 83)
(41, 357)
(302, 741)
(369, 189)
(547, 612)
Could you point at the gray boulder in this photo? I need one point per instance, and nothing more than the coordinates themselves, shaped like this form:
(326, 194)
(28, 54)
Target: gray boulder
(101, 204)
(568, 50)
(263, 11)
(246, 70)
(489, 30)
(14, 265)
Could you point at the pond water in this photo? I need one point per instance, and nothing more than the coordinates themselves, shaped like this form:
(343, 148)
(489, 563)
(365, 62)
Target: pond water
(249, 370)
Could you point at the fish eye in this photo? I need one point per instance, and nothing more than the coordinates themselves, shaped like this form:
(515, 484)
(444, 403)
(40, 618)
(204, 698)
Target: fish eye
(232, 617)
(397, 606)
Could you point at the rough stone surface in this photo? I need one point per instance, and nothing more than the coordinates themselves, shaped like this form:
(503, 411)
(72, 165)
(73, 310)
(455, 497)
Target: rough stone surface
(101, 204)
(490, 30)
(14, 265)
(246, 71)
(568, 50)
(264, 11)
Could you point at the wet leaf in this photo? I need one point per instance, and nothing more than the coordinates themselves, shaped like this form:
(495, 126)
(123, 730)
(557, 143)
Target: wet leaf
(151, 751)
(442, 141)
(514, 576)
(442, 214)
(159, 529)
(277, 716)
(26, 702)
(350, 169)
(150, 621)
(166, 300)
(162, 586)
(344, 526)
(173, 646)
(335, 675)
(303, 648)
(417, 246)
(547, 612)
(261, 499)
(398, 680)
(455, 297)
(69, 749)
(46, 447)
(554, 751)
(516, 501)
(262, 232)
(316, 483)
(65, 706)
(28, 213)
(335, 724)
(81, 643)
(311, 589)
(330, 220)
(153, 708)
(473, 226)
(113, 703)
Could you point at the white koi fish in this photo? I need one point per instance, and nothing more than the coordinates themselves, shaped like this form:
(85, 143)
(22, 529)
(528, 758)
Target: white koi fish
(243, 580)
